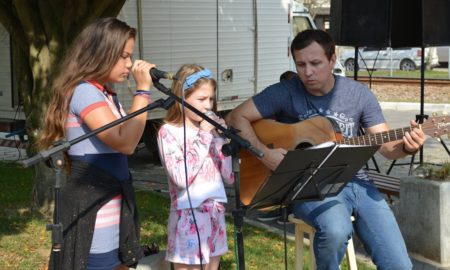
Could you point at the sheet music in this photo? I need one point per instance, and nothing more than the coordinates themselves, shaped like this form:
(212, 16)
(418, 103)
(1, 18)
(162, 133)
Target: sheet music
(322, 145)
(329, 144)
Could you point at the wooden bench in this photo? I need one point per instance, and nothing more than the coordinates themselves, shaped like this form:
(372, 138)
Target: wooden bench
(387, 184)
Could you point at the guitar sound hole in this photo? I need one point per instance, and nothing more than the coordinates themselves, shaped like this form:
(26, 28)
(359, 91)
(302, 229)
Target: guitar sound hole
(303, 145)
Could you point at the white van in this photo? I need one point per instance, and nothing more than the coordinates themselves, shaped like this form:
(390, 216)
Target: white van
(370, 58)
(443, 55)
(302, 20)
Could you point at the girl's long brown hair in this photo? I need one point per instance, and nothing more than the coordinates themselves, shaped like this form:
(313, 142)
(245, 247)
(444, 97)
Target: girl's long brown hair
(174, 113)
(92, 55)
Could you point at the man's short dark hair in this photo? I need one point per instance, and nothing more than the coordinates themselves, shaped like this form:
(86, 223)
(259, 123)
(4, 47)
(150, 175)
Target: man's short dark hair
(287, 75)
(306, 37)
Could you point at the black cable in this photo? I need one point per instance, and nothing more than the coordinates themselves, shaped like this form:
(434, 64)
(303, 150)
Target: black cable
(284, 216)
(187, 183)
(17, 144)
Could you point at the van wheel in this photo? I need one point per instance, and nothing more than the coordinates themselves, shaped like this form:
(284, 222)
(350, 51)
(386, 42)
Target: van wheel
(350, 64)
(407, 65)
(150, 138)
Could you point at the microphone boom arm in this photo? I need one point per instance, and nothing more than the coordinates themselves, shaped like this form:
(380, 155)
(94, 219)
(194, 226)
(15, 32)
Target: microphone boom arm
(227, 132)
(64, 145)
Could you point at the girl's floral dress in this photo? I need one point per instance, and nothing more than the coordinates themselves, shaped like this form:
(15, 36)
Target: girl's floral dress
(206, 170)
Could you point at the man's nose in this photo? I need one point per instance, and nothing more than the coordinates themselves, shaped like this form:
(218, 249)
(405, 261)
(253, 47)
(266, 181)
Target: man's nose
(308, 70)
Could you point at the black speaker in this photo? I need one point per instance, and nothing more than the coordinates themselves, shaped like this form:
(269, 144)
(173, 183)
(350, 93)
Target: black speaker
(360, 22)
(417, 23)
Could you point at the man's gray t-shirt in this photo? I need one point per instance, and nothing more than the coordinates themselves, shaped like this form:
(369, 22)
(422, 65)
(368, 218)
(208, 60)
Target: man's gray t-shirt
(349, 104)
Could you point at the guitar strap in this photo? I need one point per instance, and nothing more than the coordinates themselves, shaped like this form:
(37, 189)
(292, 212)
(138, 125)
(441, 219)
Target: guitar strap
(334, 124)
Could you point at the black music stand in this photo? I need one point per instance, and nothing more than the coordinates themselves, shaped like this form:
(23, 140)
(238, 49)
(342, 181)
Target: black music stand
(312, 174)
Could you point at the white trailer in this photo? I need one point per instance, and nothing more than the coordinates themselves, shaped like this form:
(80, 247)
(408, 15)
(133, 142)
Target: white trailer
(9, 103)
(245, 43)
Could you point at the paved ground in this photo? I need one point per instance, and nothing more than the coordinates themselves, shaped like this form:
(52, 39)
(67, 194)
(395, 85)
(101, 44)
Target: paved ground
(148, 174)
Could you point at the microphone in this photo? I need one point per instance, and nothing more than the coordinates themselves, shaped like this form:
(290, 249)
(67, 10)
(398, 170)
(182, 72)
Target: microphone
(159, 74)
(213, 116)
(210, 114)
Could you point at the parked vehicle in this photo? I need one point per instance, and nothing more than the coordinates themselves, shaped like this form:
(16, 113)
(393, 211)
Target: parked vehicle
(443, 53)
(339, 69)
(301, 20)
(388, 58)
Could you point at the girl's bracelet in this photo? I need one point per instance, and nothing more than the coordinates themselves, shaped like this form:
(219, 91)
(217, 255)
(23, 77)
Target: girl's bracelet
(144, 92)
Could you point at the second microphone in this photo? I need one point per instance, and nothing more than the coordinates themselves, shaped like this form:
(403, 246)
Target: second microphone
(159, 74)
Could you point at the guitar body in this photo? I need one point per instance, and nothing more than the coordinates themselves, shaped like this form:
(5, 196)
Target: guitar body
(273, 134)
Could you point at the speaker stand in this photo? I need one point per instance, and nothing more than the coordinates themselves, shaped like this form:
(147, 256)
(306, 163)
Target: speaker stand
(420, 119)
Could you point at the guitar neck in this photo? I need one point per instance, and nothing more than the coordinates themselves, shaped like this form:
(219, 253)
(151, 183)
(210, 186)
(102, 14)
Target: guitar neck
(377, 138)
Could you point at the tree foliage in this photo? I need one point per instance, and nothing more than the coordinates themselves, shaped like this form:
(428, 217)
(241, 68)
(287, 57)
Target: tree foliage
(41, 31)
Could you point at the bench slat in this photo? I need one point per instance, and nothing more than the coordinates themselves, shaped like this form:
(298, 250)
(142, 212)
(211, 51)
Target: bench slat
(387, 184)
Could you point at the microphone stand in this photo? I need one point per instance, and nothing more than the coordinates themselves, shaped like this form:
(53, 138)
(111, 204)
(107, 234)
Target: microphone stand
(57, 161)
(232, 149)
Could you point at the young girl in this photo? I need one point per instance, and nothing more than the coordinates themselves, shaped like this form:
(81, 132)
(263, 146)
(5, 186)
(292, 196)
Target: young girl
(98, 212)
(195, 174)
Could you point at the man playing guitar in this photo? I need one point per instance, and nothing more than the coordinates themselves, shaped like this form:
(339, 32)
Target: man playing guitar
(350, 104)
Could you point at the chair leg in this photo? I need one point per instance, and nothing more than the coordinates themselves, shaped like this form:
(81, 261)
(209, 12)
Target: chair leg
(312, 256)
(298, 248)
(302, 228)
(350, 254)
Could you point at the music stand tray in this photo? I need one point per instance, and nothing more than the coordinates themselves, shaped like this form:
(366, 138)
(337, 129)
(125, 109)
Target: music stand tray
(312, 174)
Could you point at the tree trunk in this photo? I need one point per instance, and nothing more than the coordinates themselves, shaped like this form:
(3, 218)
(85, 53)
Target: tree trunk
(41, 31)
(44, 189)
(44, 177)
(34, 94)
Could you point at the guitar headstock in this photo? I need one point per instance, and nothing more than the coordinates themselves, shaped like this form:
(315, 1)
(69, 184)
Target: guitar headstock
(436, 126)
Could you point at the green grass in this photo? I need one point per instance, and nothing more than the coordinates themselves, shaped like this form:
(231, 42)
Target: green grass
(429, 74)
(25, 244)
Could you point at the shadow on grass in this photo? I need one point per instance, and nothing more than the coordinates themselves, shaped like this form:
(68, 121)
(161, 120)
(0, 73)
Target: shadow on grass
(24, 240)
(15, 199)
(153, 212)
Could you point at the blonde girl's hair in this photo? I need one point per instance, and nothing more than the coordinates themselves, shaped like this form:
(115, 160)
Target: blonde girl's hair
(92, 55)
(174, 113)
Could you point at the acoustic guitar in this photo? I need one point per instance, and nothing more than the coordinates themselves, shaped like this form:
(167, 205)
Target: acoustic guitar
(311, 132)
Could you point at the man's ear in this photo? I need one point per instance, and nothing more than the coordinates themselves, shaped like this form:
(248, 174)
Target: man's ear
(333, 59)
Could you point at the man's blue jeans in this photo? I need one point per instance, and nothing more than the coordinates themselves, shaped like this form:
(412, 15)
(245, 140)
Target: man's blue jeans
(375, 225)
